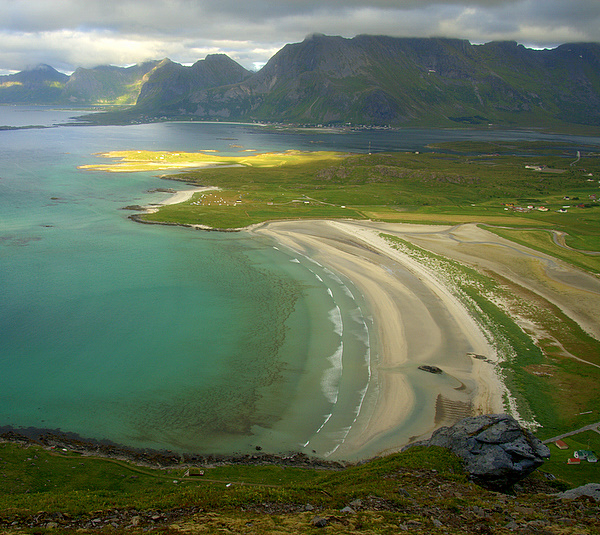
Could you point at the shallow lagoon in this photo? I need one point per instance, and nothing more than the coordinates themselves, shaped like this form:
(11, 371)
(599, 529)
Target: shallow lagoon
(167, 337)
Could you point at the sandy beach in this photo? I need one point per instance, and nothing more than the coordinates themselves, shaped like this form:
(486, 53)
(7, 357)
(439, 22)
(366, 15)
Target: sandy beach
(179, 197)
(419, 322)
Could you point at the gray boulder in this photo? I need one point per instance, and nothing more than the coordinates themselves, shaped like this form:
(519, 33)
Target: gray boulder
(497, 452)
(591, 490)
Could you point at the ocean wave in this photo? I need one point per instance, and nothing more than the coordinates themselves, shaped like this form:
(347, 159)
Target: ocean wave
(330, 381)
(348, 292)
(327, 418)
(333, 276)
(335, 315)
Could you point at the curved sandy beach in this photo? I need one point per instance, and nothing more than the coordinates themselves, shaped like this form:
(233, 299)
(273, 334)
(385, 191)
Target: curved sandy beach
(418, 321)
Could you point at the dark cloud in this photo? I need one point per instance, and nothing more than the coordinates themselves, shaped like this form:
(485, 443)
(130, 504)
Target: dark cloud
(69, 33)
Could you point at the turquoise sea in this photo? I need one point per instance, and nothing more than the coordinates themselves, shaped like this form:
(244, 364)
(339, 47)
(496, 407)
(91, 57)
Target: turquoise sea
(164, 337)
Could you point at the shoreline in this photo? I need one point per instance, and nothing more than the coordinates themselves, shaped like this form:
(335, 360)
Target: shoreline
(177, 198)
(418, 321)
(401, 407)
(403, 403)
(66, 442)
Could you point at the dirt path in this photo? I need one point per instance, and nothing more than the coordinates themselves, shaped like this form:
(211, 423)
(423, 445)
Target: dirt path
(591, 427)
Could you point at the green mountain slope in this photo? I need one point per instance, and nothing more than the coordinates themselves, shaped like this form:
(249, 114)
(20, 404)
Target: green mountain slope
(172, 88)
(39, 85)
(384, 80)
(106, 84)
(367, 80)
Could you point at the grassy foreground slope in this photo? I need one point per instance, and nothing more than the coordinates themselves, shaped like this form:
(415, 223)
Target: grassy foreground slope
(421, 491)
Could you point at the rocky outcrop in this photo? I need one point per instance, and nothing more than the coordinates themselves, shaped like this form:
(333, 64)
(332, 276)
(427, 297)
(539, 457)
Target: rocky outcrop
(497, 452)
(591, 490)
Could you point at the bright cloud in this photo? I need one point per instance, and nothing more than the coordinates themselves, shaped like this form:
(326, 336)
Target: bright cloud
(72, 33)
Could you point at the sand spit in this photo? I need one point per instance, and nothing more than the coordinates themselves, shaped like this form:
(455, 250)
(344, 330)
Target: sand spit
(574, 291)
(418, 322)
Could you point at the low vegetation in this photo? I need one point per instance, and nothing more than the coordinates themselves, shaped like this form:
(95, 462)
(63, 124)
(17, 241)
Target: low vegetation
(546, 388)
(548, 190)
(421, 491)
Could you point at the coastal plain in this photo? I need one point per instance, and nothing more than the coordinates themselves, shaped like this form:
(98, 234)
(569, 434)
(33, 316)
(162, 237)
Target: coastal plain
(445, 248)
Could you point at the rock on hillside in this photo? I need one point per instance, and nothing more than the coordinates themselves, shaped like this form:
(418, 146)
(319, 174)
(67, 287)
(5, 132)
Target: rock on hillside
(497, 452)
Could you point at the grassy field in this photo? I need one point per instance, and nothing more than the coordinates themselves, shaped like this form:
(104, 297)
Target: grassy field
(577, 474)
(423, 490)
(442, 187)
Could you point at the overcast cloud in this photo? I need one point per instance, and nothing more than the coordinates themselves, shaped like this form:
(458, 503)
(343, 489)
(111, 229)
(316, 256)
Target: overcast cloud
(71, 33)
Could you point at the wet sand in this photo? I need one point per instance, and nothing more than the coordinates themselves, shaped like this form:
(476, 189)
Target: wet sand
(418, 322)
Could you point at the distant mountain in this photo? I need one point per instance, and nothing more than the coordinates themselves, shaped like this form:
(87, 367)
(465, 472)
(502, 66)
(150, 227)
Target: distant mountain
(156, 86)
(38, 85)
(170, 87)
(367, 80)
(100, 85)
(107, 84)
(380, 80)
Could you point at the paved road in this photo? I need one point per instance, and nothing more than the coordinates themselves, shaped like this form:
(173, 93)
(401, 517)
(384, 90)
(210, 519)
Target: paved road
(591, 427)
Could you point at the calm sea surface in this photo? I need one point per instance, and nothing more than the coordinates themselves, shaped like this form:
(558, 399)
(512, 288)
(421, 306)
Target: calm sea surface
(166, 337)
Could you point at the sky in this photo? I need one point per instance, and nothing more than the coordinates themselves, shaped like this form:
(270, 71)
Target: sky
(86, 33)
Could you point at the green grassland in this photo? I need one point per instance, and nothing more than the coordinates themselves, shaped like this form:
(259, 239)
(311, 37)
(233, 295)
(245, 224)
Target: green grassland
(442, 187)
(579, 474)
(423, 490)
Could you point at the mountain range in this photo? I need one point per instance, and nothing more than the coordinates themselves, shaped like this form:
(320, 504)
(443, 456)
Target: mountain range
(366, 80)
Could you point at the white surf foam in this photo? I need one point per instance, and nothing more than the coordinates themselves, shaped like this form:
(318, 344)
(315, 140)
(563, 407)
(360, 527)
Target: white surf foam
(335, 315)
(330, 382)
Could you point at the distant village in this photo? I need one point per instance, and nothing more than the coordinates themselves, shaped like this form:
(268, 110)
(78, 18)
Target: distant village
(563, 210)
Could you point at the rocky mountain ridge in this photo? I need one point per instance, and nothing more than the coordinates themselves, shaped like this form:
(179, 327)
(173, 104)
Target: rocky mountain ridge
(366, 80)
(378, 80)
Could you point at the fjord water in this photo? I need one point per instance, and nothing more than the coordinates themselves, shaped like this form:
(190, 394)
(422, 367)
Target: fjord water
(167, 337)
